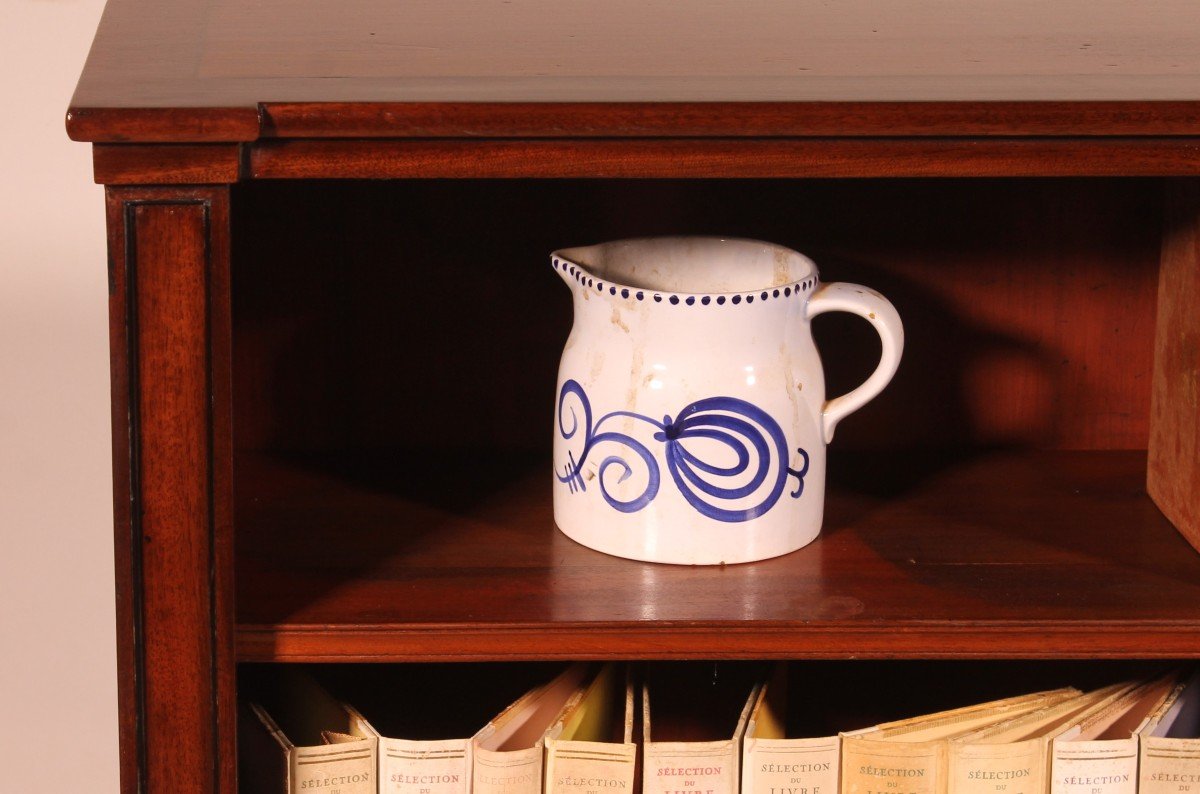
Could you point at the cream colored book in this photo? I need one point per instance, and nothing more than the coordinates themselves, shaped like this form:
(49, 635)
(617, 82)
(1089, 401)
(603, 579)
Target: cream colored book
(774, 762)
(693, 719)
(1013, 756)
(1169, 747)
(425, 716)
(911, 756)
(590, 748)
(507, 752)
(1100, 754)
(295, 737)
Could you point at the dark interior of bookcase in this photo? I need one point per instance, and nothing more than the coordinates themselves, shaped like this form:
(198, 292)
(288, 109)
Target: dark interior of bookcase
(423, 314)
(701, 700)
(395, 353)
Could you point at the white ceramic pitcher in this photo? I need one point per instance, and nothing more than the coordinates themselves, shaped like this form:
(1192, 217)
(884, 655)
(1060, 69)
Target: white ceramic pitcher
(691, 419)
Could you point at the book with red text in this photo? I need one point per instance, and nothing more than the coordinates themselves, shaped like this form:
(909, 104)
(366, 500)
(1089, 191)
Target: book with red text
(693, 720)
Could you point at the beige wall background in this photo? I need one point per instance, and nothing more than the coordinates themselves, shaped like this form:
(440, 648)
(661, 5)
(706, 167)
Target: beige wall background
(58, 729)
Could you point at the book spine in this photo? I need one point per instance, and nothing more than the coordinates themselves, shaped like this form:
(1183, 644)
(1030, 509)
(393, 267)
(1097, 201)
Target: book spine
(507, 772)
(690, 768)
(410, 767)
(791, 766)
(348, 767)
(589, 767)
(1169, 766)
(1013, 768)
(888, 767)
(1096, 767)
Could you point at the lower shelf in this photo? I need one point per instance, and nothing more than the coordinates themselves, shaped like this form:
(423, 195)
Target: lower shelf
(1021, 555)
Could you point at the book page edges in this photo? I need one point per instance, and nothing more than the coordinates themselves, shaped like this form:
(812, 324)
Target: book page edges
(945, 724)
(1130, 706)
(517, 769)
(351, 760)
(1047, 721)
(588, 714)
(513, 725)
(987, 761)
(1179, 717)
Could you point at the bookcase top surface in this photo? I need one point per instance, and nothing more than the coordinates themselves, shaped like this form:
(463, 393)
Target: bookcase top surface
(1007, 555)
(227, 70)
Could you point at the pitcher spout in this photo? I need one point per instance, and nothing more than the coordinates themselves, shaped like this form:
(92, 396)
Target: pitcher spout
(564, 269)
(567, 264)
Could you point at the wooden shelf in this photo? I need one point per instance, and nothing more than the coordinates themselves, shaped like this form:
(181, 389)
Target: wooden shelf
(258, 302)
(1047, 554)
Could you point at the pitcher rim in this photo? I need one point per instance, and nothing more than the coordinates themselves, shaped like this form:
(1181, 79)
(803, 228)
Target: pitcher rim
(587, 278)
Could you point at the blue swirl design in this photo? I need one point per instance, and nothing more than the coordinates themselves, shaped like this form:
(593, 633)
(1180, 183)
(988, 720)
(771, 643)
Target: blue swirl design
(754, 438)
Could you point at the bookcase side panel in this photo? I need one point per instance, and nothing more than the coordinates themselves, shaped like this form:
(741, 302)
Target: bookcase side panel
(168, 255)
(1173, 472)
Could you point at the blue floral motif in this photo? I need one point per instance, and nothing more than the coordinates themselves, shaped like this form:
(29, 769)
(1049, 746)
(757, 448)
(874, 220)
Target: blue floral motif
(745, 429)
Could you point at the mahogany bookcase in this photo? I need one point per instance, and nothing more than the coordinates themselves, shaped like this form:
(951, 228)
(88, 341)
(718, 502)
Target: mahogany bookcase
(335, 331)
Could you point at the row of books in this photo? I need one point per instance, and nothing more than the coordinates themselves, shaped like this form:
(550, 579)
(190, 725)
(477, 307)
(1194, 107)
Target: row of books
(699, 729)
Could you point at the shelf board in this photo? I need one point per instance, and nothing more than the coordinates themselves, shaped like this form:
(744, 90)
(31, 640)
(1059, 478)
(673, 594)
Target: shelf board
(1023, 555)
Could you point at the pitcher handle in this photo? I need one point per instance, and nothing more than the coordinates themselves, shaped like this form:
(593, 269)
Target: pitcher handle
(877, 310)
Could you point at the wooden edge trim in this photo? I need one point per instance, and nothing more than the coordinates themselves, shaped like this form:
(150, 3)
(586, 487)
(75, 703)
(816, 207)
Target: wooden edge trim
(166, 164)
(631, 119)
(810, 641)
(724, 119)
(724, 157)
(126, 572)
(163, 125)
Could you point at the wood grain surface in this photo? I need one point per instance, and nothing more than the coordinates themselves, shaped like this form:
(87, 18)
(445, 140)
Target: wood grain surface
(1012, 555)
(170, 323)
(724, 158)
(222, 70)
(1173, 475)
(724, 119)
(169, 164)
